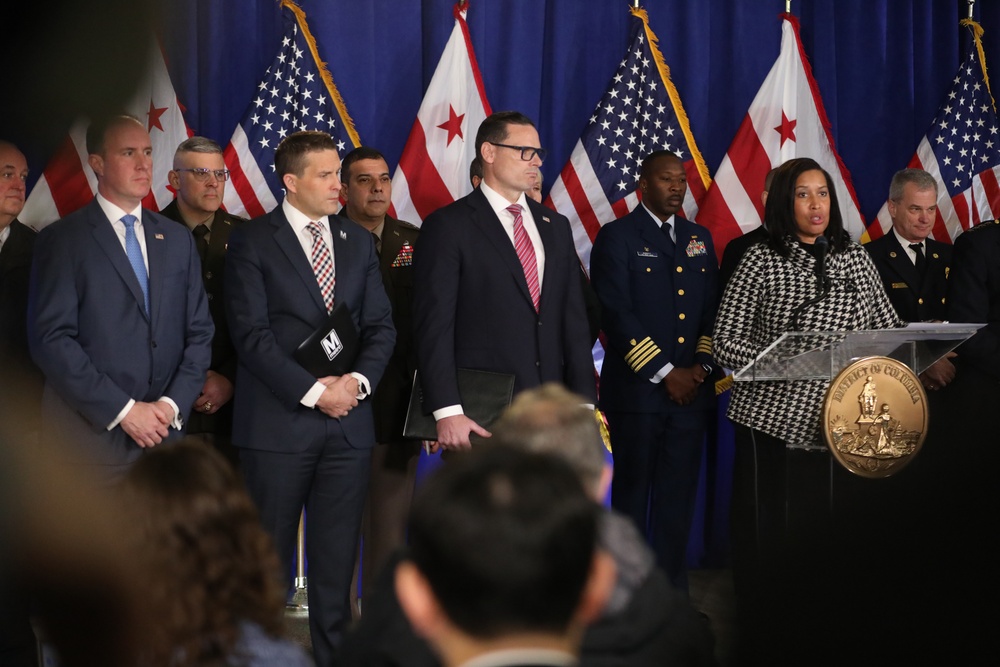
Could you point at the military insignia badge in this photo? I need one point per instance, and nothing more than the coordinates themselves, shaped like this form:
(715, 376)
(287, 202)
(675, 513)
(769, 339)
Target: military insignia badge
(695, 248)
(405, 256)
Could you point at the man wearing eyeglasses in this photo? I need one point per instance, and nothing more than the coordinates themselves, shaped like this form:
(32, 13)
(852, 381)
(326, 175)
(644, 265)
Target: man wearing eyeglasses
(496, 285)
(199, 177)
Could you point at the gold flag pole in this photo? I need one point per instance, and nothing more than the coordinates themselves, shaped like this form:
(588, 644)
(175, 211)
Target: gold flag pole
(972, 4)
(300, 599)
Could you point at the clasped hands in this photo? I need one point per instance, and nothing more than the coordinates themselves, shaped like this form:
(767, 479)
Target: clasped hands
(340, 395)
(148, 423)
(682, 383)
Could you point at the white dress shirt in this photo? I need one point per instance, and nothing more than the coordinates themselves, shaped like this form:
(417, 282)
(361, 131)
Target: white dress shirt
(663, 372)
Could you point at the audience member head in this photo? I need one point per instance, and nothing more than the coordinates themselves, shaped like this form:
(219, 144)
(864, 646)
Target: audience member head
(663, 182)
(912, 204)
(210, 563)
(199, 176)
(767, 185)
(367, 186)
(476, 171)
(121, 155)
(503, 553)
(552, 420)
(309, 167)
(13, 182)
(802, 204)
(536, 190)
(508, 144)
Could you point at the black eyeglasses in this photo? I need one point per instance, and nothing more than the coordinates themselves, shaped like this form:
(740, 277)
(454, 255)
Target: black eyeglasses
(201, 174)
(527, 152)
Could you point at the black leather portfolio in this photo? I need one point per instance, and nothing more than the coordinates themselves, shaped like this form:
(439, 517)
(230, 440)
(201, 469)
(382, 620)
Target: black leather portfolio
(333, 347)
(485, 395)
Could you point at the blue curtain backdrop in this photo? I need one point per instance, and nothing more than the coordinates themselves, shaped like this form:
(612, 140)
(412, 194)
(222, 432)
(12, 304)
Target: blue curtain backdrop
(882, 65)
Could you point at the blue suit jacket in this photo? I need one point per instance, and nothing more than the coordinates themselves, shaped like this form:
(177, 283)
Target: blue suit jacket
(91, 337)
(472, 308)
(656, 308)
(273, 304)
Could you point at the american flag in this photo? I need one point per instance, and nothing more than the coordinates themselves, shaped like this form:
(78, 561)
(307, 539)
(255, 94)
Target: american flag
(961, 150)
(296, 93)
(641, 112)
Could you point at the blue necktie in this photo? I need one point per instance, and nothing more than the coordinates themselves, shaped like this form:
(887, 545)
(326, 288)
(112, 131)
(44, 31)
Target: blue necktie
(134, 253)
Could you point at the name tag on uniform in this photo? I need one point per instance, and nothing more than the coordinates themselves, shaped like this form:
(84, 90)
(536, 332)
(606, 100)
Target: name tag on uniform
(899, 286)
(645, 252)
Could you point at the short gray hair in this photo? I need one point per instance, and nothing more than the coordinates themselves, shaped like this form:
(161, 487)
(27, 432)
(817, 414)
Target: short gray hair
(553, 420)
(918, 177)
(198, 145)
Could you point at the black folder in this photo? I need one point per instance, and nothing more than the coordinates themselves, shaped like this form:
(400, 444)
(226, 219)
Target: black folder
(485, 395)
(333, 347)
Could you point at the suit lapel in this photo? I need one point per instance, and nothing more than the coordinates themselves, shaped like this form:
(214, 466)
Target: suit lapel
(342, 260)
(219, 238)
(107, 239)
(285, 237)
(489, 224)
(543, 222)
(156, 252)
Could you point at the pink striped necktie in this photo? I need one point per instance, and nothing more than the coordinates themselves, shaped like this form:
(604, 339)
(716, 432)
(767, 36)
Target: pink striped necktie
(322, 264)
(525, 253)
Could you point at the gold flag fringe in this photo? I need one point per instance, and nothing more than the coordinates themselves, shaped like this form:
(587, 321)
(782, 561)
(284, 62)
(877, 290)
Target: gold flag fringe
(977, 34)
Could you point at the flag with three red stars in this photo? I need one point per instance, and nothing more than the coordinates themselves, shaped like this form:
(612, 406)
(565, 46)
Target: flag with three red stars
(68, 183)
(434, 168)
(641, 112)
(786, 120)
(961, 150)
(296, 93)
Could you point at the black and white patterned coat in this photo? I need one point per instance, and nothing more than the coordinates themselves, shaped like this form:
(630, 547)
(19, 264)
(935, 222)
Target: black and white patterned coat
(757, 308)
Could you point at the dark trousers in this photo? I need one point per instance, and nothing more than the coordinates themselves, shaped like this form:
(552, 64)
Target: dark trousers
(330, 480)
(657, 458)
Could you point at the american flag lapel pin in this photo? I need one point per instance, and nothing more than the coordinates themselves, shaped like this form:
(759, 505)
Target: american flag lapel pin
(546, 218)
(158, 237)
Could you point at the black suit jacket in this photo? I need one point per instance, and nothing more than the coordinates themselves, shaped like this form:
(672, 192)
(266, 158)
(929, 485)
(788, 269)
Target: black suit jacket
(974, 296)
(273, 304)
(734, 252)
(915, 300)
(20, 379)
(472, 308)
(213, 272)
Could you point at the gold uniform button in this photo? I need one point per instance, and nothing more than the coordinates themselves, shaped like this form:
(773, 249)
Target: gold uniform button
(942, 299)
(648, 269)
(680, 340)
(920, 301)
(680, 269)
(681, 316)
(680, 292)
(935, 255)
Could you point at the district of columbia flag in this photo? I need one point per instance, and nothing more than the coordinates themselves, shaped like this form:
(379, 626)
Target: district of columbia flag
(296, 93)
(68, 183)
(786, 120)
(433, 169)
(961, 150)
(640, 112)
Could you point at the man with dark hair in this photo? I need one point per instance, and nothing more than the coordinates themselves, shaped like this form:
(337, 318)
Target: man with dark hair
(367, 193)
(504, 565)
(496, 285)
(199, 177)
(655, 274)
(476, 171)
(118, 319)
(307, 440)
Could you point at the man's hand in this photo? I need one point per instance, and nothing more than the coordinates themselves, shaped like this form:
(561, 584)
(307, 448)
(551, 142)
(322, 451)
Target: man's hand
(453, 432)
(340, 395)
(216, 392)
(940, 374)
(682, 383)
(148, 423)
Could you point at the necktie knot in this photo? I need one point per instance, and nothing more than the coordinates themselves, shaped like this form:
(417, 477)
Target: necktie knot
(201, 231)
(515, 210)
(129, 221)
(315, 229)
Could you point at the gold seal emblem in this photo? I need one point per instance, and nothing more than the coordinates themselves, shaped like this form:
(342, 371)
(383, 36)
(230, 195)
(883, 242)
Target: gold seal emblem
(875, 416)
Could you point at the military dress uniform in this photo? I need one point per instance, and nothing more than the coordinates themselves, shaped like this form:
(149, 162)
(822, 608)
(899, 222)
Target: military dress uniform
(218, 426)
(659, 299)
(916, 297)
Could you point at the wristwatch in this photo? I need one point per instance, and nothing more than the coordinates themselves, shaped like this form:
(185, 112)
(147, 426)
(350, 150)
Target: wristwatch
(707, 368)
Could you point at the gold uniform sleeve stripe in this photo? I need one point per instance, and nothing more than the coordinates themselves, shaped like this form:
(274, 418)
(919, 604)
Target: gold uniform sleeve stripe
(639, 349)
(637, 364)
(704, 345)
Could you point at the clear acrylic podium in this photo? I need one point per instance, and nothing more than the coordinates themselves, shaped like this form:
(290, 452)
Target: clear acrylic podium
(821, 355)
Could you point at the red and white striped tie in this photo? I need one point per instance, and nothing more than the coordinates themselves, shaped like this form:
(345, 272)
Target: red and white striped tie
(322, 264)
(525, 253)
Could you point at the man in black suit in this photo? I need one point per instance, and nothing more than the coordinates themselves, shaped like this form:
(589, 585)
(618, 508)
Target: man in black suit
(306, 440)
(914, 267)
(504, 566)
(496, 285)
(367, 194)
(20, 381)
(117, 316)
(199, 177)
(736, 248)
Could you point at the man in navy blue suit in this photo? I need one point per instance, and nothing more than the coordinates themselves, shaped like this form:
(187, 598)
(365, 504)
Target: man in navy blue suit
(307, 440)
(655, 274)
(497, 285)
(117, 315)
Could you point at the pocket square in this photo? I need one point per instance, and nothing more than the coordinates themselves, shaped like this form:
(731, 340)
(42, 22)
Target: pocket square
(404, 257)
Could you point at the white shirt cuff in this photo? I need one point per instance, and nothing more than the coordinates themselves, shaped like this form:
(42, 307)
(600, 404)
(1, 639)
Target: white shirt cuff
(312, 396)
(662, 373)
(448, 411)
(176, 422)
(121, 415)
(364, 386)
